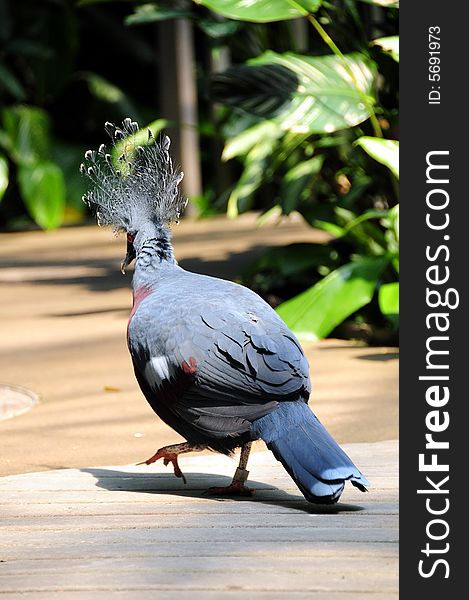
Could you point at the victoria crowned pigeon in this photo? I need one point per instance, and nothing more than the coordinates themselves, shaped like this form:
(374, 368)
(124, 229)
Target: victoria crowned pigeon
(215, 362)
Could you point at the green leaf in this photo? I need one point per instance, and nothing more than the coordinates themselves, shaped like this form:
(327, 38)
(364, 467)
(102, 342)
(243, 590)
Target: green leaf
(11, 83)
(103, 89)
(383, 3)
(394, 221)
(262, 11)
(303, 94)
(329, 227)
(314, 313)
(366, 216)
(256, 145)
(252, 177)
(27, 134)
(391, 224)
(388, 298)
(296, 180)
(3, 175)
(389, 44)
(42, 187)
(218, 29)
(241, 144)
(367, 237)
(384, 151)
(271, 215)
(151, 13)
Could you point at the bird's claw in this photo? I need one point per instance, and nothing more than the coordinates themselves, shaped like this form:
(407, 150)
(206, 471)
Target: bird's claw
(168, 457)
(236, 488)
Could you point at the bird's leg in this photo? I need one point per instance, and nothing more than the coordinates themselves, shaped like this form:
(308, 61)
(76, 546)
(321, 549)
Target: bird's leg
(237, 487)
(170, 454)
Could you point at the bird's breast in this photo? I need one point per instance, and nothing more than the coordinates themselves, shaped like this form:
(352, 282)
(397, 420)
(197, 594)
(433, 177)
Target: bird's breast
(139, 295)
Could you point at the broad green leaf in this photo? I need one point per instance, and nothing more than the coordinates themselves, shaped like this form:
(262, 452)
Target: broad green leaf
(329, 227)
(262, 11)
(255, 166)
(103, 89)
(390, 45)
(42, 188)
(303, 94)
(388, 298)
(296, 181)
(27, 134)
(367, 237)
(391, 223)
(305, 168)
(366, 216)
(151, 13)
(3, 175)
(384, 151)
(383, 3)
(394, 220)
(218, 29)
(272, 215)
(252, 176)
(241, 144)
(314, 313)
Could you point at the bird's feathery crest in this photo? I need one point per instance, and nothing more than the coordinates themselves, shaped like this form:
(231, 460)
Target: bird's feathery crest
(139, 185)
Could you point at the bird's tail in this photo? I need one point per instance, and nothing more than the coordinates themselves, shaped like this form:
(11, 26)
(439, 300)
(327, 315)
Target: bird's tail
(312, 457)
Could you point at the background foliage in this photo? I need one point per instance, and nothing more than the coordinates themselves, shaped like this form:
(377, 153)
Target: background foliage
(305, 116)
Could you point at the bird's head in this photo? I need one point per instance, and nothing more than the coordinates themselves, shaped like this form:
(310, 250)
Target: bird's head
(135, 187)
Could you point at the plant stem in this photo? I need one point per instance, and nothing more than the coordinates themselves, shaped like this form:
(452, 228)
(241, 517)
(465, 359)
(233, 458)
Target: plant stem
(335, 50)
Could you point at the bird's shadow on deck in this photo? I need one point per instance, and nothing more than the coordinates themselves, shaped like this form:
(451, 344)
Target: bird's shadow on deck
(198, 484)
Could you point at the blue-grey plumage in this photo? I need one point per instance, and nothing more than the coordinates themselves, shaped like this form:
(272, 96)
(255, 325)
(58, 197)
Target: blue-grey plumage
(214, 360)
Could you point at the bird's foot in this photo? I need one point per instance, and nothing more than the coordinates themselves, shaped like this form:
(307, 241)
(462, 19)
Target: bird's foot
(170, 454)
(236, 488)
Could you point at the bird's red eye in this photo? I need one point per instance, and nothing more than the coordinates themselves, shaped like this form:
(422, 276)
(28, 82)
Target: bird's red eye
(130, 238)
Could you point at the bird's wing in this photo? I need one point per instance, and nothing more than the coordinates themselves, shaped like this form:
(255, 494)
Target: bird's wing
(220, 370)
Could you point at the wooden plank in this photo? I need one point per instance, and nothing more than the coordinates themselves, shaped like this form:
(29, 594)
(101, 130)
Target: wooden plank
(144, 562)
(180, 578)
(157, 497)
(145, 594)
(11, 513)
(122, 531)
(190, 521)
(211, 534)
(227, 548)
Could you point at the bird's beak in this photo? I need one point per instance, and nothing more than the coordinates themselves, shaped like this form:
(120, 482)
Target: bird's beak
(129, 257)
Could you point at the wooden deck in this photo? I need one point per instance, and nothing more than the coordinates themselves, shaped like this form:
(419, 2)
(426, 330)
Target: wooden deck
(139, 532)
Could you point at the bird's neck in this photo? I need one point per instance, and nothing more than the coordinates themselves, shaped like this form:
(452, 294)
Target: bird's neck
(154, 256)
